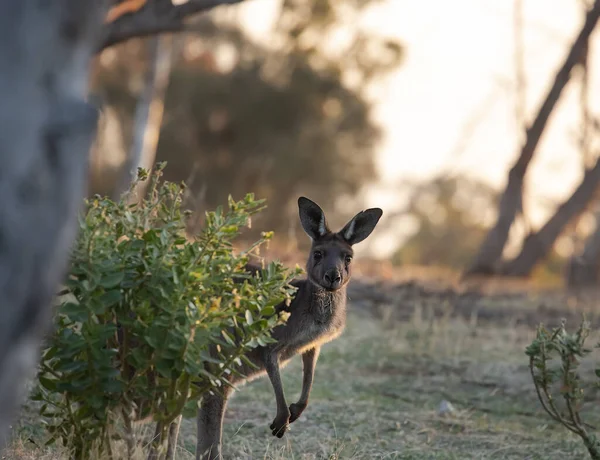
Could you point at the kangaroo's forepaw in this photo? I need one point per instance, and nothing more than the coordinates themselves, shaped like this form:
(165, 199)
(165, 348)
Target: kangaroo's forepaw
(296, 410)
(280, 425)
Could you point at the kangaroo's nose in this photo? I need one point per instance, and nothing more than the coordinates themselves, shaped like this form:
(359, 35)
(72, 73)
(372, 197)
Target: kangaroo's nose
(333, 278)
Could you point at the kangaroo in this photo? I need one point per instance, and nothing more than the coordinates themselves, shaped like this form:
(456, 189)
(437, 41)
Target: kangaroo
(317, 316)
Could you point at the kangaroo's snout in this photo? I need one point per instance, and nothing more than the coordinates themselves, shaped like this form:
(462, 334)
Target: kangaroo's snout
(333, 278)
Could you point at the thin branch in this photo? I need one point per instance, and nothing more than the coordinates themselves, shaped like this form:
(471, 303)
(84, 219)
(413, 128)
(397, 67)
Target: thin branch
(548, 403)
(560, 80)
(581, 431)
(155, 17)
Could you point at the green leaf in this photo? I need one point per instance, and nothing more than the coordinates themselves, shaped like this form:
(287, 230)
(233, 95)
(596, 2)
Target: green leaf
(208, 374)
(74, 311)
(268, 311)
(110, 298)
(227, 337)
(151, 236)
(152, 338)
(48, 384)
(230, 229)
(190, 409)
(207, 358)
(112, 280)
(113, 386)
(70, 366)
(165, 367)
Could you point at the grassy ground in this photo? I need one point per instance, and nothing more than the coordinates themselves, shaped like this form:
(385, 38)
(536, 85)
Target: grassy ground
(377, 394)
(378, 391)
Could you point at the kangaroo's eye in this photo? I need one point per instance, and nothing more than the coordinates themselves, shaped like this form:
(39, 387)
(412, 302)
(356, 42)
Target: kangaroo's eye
(348, 260)
(318, 255)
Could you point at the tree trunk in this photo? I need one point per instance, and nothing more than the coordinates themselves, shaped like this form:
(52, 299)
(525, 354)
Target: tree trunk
(488, 258)
(537, 245)
(584, 268)
(46, 129)
(149, 113)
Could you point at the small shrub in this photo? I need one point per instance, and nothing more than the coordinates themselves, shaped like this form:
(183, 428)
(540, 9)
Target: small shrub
(155, 318)
(554, 359)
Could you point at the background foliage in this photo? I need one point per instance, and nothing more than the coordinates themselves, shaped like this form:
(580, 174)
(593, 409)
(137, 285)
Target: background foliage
(282, 118)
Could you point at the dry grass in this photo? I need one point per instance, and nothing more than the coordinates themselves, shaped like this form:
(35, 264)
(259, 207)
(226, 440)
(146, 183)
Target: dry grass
(24, 450)
(377, 393)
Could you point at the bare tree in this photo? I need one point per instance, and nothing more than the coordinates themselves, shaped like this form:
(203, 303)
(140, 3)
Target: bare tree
(488, 258)
(538, 244)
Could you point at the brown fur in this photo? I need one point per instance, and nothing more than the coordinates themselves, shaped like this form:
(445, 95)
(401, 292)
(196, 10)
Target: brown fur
(317, 316)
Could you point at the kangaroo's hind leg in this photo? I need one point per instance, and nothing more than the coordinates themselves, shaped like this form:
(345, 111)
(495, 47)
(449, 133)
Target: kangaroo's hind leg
(210, 425)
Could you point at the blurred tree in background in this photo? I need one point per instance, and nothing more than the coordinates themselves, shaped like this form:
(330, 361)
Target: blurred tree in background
(448, 215)
(446, 218)
(281, 119)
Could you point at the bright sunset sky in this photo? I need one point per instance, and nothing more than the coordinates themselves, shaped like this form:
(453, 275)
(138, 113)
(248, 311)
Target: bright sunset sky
(459, 67)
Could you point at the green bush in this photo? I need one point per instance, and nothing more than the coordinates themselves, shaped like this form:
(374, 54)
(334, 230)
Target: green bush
(554, 359)
(154, 319)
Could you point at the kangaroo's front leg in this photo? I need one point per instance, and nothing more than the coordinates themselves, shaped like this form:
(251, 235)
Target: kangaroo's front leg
(309, 362)
(281, 422)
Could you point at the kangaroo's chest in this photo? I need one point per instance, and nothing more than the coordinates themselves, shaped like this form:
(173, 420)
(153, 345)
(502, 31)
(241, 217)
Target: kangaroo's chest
(308, 326)
(308, 329)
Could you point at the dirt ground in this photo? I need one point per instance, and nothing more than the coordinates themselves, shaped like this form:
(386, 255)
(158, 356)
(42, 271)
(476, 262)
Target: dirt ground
(425, 370)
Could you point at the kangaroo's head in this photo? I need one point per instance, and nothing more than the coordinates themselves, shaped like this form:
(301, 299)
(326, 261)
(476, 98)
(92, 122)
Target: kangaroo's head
(330, 260)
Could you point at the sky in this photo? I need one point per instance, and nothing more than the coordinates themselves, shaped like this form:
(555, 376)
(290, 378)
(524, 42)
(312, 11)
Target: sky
(451, 105)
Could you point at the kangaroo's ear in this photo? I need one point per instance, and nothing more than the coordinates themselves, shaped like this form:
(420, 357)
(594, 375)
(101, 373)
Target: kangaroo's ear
(312, 218)
(361, 226)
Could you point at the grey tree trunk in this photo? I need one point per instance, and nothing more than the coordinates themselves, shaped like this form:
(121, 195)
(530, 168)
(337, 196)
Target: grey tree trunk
(149, 111)
(487, 260)
(46, 129)
(537, 245)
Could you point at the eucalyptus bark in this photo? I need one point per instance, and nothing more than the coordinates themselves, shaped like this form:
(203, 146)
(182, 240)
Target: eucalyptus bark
(46, 129)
